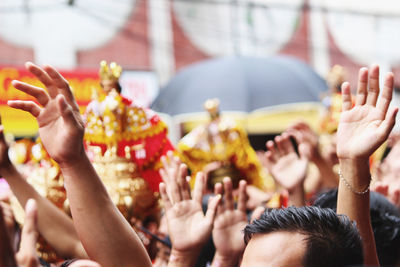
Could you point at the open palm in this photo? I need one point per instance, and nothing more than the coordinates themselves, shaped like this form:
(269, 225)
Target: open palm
(187, 225)
(364, 127)
(287, 168)
(230, 222)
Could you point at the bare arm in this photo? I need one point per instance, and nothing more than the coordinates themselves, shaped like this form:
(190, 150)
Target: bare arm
(54, 225)
(106, 236)
(362, 129)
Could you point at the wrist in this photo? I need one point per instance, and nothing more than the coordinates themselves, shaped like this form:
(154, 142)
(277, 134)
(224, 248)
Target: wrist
(183, 258)
(74, 162)
(355, 173)
(220, 260)
(297, 196)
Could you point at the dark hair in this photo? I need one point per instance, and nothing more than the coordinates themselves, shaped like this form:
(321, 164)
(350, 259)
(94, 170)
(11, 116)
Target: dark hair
(331, 239)
(385, 220)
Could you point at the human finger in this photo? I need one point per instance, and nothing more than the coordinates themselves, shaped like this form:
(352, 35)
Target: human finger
(346, 96)
(387, 125)
(29, 231)
(212, 208)
(28, 106)
(278, 143)
(286, 144)
(62, 84)
(270, 146)
(373, 90)
(41, 75)
(387, 92)
(298, 135)
(65, 110)
(242, 199)
(163, 175)
(362, 86)
(164, 196)
(199, 187)
(218, 191)
(171, 183)
(38, 93)
(228, 197)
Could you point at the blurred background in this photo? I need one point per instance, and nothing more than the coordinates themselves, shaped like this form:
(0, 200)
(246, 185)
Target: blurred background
(174, 48)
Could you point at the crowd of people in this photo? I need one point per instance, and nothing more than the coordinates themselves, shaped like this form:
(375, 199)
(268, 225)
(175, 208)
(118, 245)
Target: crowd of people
(349, 217)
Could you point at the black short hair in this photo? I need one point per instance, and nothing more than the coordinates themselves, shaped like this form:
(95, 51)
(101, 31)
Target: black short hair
(331, 239)
(385, 221)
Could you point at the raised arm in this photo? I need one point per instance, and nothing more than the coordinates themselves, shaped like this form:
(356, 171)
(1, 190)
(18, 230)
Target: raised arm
(106, 236)
(362, 129)
(188, 227)
(53, 224)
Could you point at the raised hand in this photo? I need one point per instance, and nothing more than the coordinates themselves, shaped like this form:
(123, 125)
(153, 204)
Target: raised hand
(229, 224)
(111, 242)
(306, 138)
(364, 127)
(282, 161)
(307, 141)
(188, 227)
(60, 124)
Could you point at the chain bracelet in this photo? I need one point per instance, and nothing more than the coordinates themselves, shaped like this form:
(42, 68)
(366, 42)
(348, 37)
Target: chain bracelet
(366, 190)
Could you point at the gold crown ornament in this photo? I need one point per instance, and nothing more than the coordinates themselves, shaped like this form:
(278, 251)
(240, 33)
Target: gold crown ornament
(112, 72)
(336, 76)
(127, 189)
(212, 107)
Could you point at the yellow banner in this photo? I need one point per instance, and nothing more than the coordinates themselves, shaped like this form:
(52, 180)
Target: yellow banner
(21, 123)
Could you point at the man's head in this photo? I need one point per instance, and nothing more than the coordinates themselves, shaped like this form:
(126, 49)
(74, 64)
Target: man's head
(385, 220)
(306, 236)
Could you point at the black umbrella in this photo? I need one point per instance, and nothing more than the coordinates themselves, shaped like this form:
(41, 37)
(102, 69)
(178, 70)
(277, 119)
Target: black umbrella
(241, 84)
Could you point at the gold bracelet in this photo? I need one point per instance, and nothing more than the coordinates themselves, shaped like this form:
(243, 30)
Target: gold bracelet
(366, 190)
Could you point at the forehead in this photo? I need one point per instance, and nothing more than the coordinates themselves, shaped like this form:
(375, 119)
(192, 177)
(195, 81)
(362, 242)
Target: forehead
(107, 82)
(275, 249)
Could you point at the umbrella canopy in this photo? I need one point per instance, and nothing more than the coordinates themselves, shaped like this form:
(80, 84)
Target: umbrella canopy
(241, 83)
